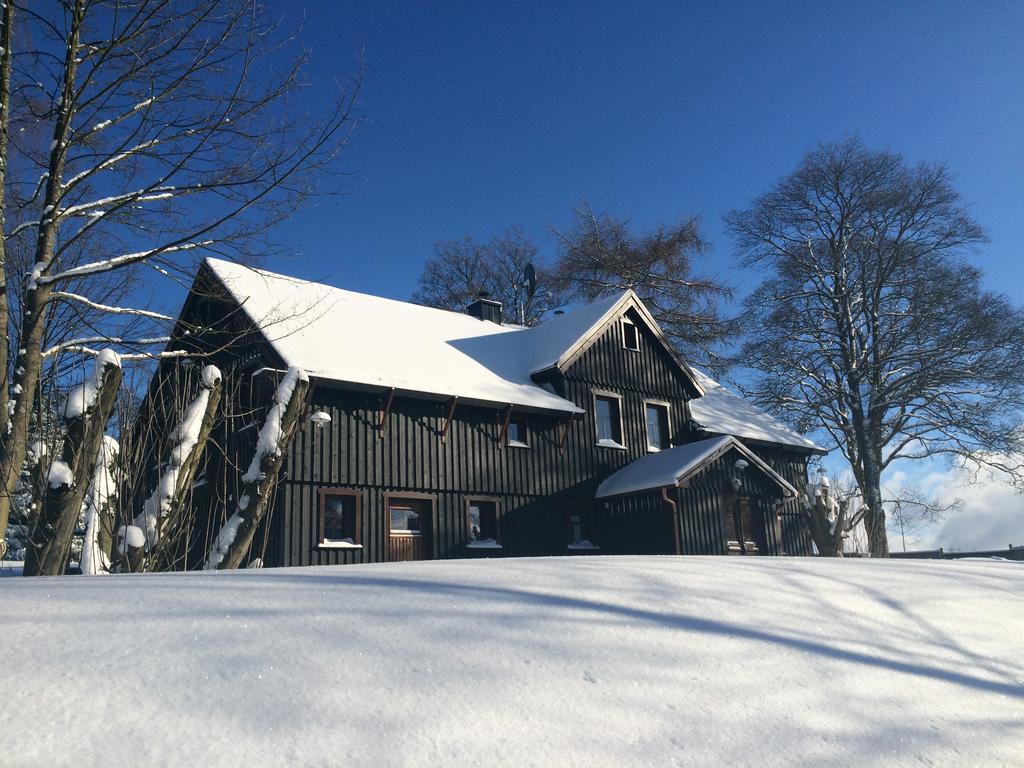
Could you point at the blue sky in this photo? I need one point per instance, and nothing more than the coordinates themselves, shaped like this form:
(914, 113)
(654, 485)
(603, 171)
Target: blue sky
(480, 116)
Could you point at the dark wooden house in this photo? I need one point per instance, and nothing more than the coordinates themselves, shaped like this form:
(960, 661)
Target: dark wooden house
(436, 434)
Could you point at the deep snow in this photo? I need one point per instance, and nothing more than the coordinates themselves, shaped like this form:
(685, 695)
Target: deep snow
(575, 661)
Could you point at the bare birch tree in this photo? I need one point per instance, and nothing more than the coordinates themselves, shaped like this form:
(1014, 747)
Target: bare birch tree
(872, 325)
(136, 136)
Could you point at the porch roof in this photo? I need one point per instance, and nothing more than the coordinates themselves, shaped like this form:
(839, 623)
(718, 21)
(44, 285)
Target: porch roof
(672, 467)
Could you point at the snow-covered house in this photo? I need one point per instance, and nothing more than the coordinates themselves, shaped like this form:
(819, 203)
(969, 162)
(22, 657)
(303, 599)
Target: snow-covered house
(452, 435)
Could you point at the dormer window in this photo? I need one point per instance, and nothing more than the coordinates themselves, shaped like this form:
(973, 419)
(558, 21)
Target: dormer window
(630, 336)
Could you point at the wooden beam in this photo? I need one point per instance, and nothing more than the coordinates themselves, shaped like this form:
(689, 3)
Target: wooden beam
(448, 419)
(563, 435)
(382, 424)
(503, 431)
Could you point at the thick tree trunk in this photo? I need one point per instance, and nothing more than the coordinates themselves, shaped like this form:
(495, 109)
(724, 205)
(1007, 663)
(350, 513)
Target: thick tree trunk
(186, 448)
(68, 478)
(235, 538)
(874, 518)
(29, 362)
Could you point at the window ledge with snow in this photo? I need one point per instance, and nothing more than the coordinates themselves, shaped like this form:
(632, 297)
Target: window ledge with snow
(610, 444)
(517, 444)
(584, 545)
(484, 544)
(338, 544)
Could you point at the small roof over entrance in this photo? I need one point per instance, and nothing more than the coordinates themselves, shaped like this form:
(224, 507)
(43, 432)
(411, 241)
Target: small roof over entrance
(674, 466)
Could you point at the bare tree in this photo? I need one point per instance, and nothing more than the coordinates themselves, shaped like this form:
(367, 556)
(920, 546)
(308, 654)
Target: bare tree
(872, 326)
(601, 255)
(462, 270)
(149, 132)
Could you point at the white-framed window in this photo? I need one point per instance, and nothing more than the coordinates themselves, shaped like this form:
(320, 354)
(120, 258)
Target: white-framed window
(657, 423)
(608, 419)
(630, 335)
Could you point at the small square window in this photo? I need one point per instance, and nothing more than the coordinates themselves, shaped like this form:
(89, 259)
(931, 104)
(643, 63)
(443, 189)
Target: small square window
(516, 434)
(339, 517)
(482, 522)
(405, 519)
(657, 426)
(630, 336)
(608, 418)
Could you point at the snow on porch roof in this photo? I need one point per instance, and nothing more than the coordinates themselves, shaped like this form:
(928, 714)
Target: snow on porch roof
(368, 340)
(674, 465)
(723, 412)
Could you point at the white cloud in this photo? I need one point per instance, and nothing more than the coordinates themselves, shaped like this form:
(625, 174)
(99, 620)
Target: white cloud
(992, 516)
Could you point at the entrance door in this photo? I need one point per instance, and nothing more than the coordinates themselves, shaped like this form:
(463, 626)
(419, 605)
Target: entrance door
(744, 527)
(409, 536)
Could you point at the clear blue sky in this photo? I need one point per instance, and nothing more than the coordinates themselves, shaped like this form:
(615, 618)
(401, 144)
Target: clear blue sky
(480, 116)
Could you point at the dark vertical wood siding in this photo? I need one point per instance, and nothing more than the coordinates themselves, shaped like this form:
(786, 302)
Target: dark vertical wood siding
(534, 486)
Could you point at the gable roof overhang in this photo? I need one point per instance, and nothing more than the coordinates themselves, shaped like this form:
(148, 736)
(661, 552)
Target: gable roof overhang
(674, 467)
(561, 357)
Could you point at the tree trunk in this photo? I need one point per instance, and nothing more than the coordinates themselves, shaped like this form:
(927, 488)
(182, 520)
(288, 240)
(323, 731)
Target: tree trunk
(6, 19)
(68, 478)
(235, 538)
(874, 518)
(185, 453)
(29, 361)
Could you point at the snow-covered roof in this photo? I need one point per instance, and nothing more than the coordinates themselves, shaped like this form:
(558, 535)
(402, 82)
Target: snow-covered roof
(721, 411)
(356, 338)
(674, 465)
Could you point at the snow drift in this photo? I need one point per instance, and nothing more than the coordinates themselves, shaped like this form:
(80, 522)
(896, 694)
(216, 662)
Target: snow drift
(572, 661)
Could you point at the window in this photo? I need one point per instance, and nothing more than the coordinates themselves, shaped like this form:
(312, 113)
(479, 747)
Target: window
(406, 519)
(482, 523)
(657, 426)
(608, 417)
(516, 435)
(630, 336)
(339, 518)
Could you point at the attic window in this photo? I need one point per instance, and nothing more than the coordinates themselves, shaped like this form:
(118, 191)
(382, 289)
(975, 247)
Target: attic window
(630, 336)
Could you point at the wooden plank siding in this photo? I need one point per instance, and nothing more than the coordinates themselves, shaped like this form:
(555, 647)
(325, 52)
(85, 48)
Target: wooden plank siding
(534, 487)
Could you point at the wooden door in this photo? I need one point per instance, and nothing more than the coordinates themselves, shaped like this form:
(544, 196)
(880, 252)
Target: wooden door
(411, 525)
(744, 527)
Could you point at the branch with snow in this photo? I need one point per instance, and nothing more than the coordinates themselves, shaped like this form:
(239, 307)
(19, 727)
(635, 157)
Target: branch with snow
(276, 433)
(187, 441)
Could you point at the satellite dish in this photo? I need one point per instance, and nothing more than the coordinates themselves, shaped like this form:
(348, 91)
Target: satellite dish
(530, 280)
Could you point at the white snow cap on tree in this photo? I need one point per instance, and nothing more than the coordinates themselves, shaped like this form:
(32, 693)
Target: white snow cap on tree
(130, 536)
(60, 474)
(83, 397)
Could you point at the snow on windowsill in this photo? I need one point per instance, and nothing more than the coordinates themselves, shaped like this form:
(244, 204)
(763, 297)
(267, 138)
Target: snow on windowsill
(610, 444)
(339, 544)
(484, 544)
(517, 444)
(584, 544)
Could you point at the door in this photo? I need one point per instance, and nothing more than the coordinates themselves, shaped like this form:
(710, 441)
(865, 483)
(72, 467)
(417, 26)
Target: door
(409, 534)
(744, 527)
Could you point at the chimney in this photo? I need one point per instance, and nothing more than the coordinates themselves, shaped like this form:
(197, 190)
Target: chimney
(485, 309)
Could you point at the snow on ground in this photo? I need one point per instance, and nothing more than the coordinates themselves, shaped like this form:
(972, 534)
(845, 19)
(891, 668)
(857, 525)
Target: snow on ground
(583, 661)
